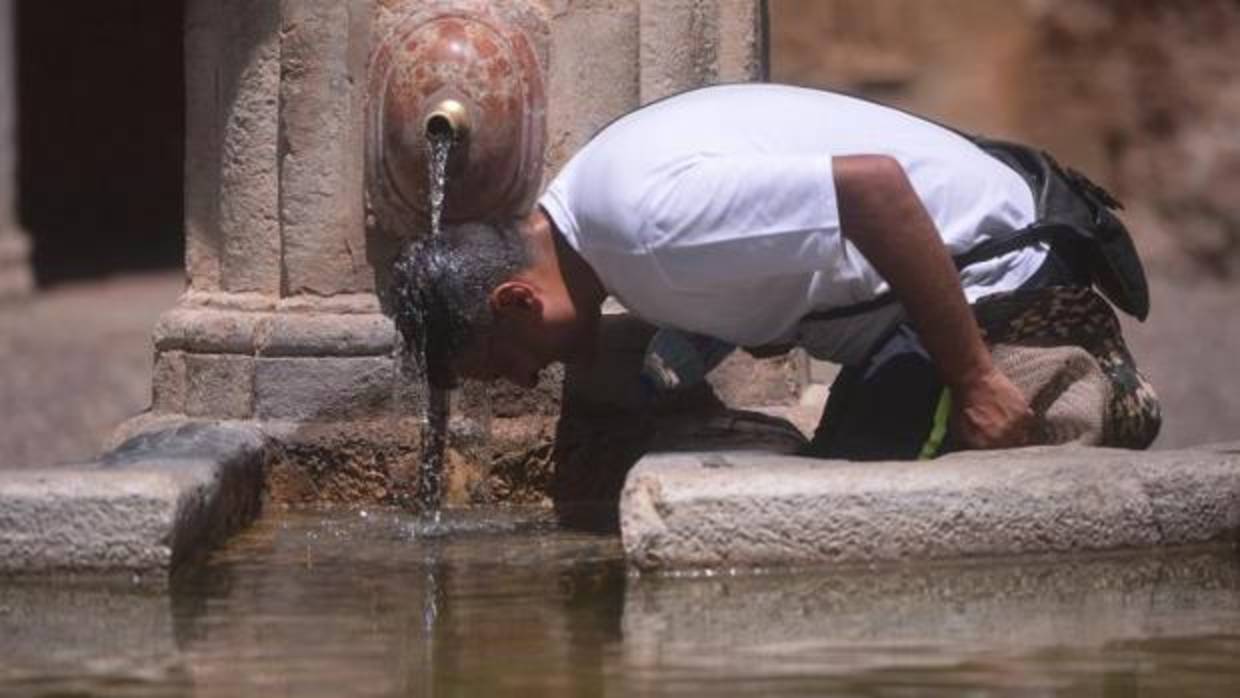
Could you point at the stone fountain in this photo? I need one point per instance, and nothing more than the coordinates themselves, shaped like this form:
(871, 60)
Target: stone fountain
(307, 173)
(275, 372)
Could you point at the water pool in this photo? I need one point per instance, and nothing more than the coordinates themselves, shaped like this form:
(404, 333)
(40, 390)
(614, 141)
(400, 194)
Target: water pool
(505, 603)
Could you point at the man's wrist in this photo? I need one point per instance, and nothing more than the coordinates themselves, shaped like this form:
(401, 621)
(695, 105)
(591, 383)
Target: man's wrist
(973, 376)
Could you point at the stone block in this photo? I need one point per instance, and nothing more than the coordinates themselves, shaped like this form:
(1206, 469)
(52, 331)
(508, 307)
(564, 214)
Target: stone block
(323, 57)
(678, 46)
(322, 334)
(729, 510)
(219, 386)
(247, 68)
(168, 382)
(323, 389)
(207, 331)
(593, 74)
(743, 38)
(158, 500)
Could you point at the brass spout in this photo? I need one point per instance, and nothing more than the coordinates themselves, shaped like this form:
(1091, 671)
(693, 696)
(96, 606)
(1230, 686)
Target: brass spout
(449, 118)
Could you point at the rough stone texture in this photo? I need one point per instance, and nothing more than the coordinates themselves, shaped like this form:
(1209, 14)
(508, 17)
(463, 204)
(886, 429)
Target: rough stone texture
(678, 46)
(751, 510)
(743, 41)
(232, 186)
(275, 334)
(157, 501)
(249, 187)
(219, 385)
(323, 55)
(593, 74)
(361, 462)
(322, 389)
(321, 334)
(16, 280)
(168, 383)
(207, 331)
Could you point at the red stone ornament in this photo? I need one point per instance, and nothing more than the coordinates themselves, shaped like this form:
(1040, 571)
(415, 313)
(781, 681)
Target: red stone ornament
(472, 68)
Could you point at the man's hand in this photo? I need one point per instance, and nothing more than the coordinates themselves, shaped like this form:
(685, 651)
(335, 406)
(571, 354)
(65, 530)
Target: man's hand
(882, 215)
(991, 412)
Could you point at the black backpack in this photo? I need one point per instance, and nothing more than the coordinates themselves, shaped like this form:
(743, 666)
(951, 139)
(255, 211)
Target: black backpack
(1076, 216)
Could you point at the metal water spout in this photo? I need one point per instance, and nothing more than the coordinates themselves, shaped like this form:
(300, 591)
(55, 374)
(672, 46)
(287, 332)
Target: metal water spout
(470, 71)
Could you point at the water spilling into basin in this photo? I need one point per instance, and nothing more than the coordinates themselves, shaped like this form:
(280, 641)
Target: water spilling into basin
(434, 446)
(413, 368)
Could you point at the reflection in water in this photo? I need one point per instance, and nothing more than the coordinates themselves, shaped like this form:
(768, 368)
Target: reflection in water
(503, 603)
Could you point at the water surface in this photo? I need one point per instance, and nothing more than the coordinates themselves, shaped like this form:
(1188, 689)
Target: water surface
(504, 603)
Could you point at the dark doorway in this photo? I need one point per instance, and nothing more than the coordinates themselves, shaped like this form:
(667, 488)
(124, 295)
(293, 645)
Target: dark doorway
(101, 135)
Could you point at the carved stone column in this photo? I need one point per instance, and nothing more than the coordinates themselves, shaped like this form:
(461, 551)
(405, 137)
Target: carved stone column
(16, 279)
(280, 321)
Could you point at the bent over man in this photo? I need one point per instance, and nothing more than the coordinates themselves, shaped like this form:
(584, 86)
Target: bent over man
(952, 278)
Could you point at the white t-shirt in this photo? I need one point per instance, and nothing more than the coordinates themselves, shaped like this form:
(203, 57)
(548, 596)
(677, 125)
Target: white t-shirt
(714, 211)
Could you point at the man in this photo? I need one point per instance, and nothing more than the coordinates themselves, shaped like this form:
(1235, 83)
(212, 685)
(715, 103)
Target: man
(763, 215)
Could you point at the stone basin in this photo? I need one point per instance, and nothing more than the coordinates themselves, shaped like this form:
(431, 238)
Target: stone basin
(736, 509)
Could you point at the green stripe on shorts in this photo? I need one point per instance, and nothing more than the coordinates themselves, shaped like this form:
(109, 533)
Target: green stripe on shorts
(938, 429)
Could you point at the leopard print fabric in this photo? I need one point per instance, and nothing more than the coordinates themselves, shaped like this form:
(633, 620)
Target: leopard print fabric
(1073, 315)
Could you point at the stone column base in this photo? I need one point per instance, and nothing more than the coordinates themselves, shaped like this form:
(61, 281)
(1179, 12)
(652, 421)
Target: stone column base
(16, 278)
(321, 378)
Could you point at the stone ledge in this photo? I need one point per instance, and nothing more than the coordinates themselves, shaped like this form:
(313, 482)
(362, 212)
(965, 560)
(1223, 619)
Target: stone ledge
(737, 509)
(161, 498)
(278, 334)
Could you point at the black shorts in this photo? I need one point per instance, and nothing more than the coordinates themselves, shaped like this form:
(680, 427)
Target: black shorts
(893, 406)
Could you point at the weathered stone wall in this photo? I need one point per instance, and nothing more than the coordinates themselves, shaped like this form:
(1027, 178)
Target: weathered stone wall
(1143, 95)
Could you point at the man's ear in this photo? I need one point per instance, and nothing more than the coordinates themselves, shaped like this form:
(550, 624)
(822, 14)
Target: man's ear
(515, 298)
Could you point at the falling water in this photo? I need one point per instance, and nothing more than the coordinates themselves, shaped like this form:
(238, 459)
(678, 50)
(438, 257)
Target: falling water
(434, 445)
(429, 489)
(438, 148)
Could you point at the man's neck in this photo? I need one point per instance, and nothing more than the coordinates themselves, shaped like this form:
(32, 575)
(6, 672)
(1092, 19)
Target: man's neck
(558, 260)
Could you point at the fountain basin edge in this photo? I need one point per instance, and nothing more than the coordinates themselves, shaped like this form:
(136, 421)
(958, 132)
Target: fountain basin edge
(158, 500)
(730, 510)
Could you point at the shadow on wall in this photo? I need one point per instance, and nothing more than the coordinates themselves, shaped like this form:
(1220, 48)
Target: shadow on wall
(101, 135)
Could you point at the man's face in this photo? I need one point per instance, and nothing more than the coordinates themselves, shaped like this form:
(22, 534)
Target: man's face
(530, 331)
(503, 354)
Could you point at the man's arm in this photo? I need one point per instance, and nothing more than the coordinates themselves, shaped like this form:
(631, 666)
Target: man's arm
(883, 216)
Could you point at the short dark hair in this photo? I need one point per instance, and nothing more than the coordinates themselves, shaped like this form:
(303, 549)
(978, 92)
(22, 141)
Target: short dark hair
(441, 286)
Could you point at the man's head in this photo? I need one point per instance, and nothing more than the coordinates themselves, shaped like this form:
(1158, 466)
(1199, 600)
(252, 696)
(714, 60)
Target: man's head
(483, 300)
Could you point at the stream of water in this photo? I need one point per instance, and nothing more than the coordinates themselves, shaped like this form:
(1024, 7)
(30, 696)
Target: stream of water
(438, 149)
(429, 486)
